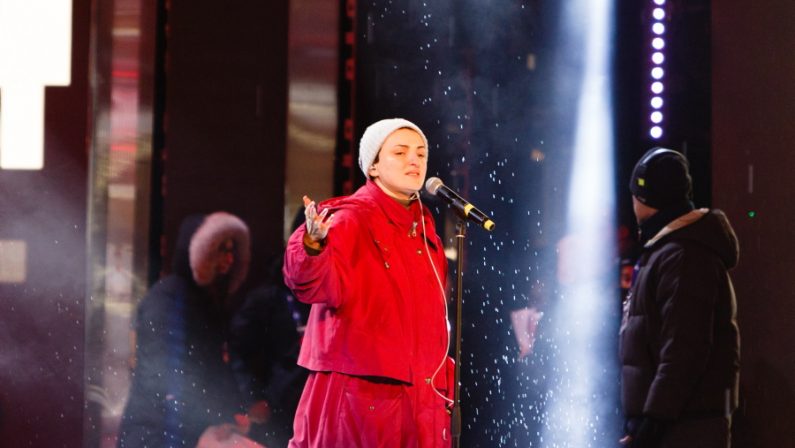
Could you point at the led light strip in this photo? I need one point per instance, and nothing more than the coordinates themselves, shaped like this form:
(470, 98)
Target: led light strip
(657, 72)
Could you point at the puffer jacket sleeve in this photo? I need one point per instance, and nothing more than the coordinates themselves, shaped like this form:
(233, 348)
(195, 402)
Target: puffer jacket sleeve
(686, 294)
(143, 423)
(325, 277)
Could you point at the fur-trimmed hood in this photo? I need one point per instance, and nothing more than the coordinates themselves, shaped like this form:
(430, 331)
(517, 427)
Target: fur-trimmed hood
(214, 230)
(197, 245)
(709, 228)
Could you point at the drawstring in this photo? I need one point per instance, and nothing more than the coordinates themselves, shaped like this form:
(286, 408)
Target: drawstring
(446, 311)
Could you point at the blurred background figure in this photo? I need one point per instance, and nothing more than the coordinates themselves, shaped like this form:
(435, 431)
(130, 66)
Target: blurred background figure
(182, 381)
(265, 339)
(628, 250)
(524, 322)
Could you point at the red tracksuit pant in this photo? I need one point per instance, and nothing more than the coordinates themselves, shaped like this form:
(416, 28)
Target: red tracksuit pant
(343, 411)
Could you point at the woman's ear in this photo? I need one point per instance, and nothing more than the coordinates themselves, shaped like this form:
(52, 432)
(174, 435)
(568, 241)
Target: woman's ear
(373, 171)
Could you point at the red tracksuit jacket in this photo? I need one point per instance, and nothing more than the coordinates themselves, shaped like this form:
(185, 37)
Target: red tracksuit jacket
(378, 309)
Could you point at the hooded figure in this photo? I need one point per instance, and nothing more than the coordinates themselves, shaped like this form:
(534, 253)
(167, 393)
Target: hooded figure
(679, 341)
(181, 382)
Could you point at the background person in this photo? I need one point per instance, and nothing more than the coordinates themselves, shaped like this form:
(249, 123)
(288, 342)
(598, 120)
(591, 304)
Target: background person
(265, 338)
(182, 382)
(679, 341)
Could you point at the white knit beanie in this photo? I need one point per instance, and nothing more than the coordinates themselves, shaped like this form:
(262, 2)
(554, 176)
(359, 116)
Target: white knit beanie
(374, 137)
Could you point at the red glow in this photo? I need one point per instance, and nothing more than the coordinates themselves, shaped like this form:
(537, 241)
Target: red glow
(123, 147)
(126, 74)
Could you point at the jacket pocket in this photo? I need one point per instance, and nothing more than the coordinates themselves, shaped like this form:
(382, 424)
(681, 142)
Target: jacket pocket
(375, 414)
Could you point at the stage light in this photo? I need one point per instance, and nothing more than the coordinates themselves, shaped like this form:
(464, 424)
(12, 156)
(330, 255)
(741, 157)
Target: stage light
(581, 410)
(656, 85)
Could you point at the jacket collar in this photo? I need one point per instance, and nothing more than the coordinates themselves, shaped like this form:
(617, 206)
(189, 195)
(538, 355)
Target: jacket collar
(678, 223)
(396, 212)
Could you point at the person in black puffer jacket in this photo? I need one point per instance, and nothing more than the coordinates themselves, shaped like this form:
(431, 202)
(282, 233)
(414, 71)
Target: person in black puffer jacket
(679, 341)
(182, 383)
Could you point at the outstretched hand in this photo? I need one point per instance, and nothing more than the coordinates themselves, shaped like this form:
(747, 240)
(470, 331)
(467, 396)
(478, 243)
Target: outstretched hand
(317, 225)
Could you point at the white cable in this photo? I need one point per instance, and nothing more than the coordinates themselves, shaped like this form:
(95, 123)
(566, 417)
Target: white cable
(444, 299)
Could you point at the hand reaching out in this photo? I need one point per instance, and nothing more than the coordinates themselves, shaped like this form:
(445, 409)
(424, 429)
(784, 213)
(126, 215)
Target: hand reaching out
(317, 225)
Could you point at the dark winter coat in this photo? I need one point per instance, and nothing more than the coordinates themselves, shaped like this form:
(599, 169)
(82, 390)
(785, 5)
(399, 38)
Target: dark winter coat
(679, 343)
(264, 344)
(182, 383)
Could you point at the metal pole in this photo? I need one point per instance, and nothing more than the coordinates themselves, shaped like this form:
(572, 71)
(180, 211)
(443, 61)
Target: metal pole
(456, 423)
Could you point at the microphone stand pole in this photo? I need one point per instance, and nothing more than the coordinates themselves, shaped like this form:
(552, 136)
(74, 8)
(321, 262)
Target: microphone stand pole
(456, 422)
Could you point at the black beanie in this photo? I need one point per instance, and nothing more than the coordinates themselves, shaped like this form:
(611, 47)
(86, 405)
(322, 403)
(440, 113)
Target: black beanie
(661, 179)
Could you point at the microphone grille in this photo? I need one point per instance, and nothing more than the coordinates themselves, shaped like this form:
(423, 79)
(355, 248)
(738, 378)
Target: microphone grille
(433, 184)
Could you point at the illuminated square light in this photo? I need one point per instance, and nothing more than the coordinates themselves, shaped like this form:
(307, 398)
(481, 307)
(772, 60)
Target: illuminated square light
(658, 13)
(35, 51)
(659, 2)
(657, 87)
(656, 117)
(657, 72)
(658, 28)
(658, 43)
(658, 58)
(13, 261)
(656, 132)
(21, 127)
(656, 102)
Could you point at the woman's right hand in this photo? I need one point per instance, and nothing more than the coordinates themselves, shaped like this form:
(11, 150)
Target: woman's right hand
(317, 225)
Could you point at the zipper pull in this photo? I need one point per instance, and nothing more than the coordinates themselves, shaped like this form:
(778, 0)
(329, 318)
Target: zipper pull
(413, 231)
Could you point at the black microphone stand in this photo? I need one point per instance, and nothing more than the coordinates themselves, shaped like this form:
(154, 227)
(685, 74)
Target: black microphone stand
(461, 227)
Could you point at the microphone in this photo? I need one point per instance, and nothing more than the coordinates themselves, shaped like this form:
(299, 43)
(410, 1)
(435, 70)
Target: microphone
(436, 187)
